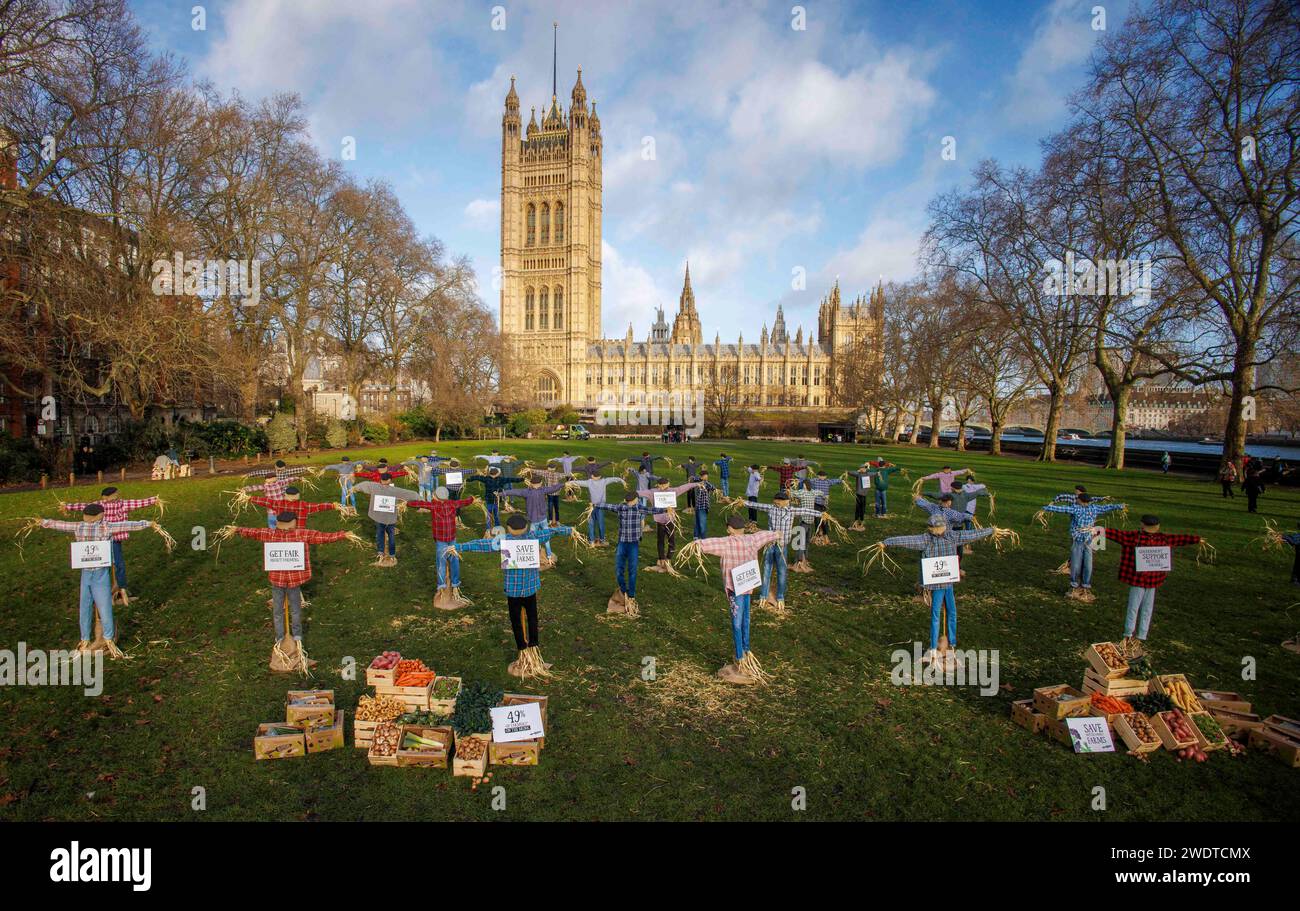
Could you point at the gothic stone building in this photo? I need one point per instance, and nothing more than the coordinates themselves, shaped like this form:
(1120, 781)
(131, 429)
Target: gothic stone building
(550, 294)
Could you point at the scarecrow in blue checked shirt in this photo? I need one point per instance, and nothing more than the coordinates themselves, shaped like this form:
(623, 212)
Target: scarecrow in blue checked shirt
(939, 540)
(521, 585)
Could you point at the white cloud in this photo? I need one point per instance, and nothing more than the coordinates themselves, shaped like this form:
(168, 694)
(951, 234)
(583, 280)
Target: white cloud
(483, 213)
(628, 293)
(1052, 62)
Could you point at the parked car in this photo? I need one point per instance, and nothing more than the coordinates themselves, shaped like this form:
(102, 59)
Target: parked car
(570, 432)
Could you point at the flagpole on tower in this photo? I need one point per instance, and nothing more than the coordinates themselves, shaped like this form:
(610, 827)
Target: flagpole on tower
(555, 54)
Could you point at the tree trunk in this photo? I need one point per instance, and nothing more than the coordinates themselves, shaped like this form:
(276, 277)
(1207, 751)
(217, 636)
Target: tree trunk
(1243, 384)
(1119, 410)
(936, 410)
(961, 434)
(916, 425)
(995, 443)
(1053, 420)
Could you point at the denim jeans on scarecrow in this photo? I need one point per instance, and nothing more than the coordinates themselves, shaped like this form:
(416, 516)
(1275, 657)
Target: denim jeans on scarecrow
(939, 598)
(625, 562)
(451, 563)
(739, 623)
(294, 596)
(1080, 564)
(774, 562)
(96, 591)
(1141, 603)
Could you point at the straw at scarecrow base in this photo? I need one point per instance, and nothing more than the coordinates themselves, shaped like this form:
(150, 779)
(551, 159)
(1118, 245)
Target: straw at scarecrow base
(749, 665)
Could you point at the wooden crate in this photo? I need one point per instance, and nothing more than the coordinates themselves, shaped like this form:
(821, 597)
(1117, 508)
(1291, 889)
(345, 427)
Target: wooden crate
(443, 706)
(1163, 686)
(1057, 730)
(410, 758)
(1280, 724)
(520, 752)
(1167, 736)
(473, 768)
(520, 698)
(1236, 724)
(320, 739)
(1216, 700)
(1113, 686)
(376, 677)
(1098, 664)
(413, 697)
(1060, 701)
(281, 746)
(374, 759)
(1205, 743)
(317, 715)
(363, 733)
(1130, 738)
(1284, 748)
(1024, 714)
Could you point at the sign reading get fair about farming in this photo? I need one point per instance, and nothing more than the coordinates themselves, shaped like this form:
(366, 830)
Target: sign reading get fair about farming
(665, 499)
(746, 577)
(90, 554)
(284, 556)
(512, 723)
(520, 553)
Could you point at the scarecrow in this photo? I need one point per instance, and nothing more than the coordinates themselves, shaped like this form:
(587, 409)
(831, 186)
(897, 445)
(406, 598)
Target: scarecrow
(117, 509)
(286, 559)
(92, 554)
(442, 513)
(631, 514)
(738, 551)
(384, 501)
(1145, 560)
(520, 551)
(1083, 513)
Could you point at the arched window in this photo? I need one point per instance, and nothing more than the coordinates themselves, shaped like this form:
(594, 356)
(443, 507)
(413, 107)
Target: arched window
(544, 311)
(546, 224)
(548, 391)
(528, 309)
(559, 307)
(559, 222)
(532, 226)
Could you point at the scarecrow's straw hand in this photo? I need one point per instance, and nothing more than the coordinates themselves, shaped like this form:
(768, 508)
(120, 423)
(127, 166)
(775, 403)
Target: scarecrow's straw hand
(1003, 537)
(877, 553)
(168, 541)
(1041, 518)
(691, 554)
(355, 540)
(1206, 552)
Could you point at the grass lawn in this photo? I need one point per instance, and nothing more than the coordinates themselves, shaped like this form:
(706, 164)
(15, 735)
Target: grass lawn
(182, 712)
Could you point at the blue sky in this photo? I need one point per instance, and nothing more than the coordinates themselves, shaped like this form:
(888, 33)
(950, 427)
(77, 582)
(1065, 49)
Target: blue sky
(775, 148)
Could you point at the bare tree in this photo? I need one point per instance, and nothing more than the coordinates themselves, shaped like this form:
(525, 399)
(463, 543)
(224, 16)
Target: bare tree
(1206, 90)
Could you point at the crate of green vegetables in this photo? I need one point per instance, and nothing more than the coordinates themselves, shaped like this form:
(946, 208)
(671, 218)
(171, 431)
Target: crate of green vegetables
(422, 745)
(1209, 734)
(442, 697)
(279, 740)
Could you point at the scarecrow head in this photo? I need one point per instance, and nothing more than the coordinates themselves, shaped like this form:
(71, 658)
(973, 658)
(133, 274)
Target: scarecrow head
(937, 526)
(516, 525)
(109, 494)
(291, 493)
(286, 520)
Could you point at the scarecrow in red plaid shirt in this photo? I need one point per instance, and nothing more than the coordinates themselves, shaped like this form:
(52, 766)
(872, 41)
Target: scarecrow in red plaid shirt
(286, 558)
(442, 513)
(292, 502)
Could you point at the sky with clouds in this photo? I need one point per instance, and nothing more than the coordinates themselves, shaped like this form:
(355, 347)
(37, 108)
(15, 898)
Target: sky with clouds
(776, 148)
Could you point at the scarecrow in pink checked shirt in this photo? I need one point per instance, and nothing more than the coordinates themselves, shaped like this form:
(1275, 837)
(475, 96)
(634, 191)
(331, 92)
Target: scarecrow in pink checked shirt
(738, 552)
(117, 509)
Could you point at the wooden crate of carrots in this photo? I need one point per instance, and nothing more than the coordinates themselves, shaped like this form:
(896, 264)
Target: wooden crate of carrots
(412, 683)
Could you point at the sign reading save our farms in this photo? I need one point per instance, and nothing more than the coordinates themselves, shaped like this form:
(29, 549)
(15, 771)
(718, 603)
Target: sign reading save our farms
(520, 553)
(1090, 735)
(284, 556)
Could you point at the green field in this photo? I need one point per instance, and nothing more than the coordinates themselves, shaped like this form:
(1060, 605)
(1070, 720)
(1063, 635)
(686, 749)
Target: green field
(181, 713)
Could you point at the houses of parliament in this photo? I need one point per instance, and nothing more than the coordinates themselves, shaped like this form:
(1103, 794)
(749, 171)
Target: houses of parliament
(551, 294)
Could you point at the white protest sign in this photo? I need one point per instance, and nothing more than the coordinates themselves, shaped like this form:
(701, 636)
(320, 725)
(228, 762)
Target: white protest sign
(1153, 559)
(746, 577)
(91, 554)
(454, 478)
(864, 482)
(284, 556)
(512, 723)
(665, 499)
(520, 553)
(940, 570)
(1090, 735)
(384, 503)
